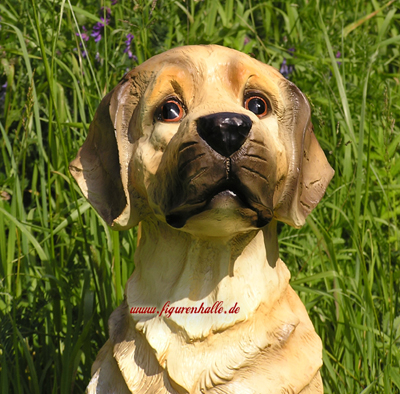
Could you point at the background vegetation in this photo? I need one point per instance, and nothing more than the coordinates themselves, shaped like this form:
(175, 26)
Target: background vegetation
(62, 270)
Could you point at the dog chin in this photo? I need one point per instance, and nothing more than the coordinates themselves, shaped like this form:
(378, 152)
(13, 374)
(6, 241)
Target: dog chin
(224, 215)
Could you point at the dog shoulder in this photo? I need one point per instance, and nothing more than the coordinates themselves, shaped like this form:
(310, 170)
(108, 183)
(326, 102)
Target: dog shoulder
(106, 375)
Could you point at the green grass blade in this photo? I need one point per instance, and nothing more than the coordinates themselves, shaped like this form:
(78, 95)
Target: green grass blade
(42, 255)
(339, 81)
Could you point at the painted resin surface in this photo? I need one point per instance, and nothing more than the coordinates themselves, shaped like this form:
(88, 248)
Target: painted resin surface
(207, 148)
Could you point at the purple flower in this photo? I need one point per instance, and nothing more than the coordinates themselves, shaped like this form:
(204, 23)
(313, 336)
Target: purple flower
(286, 70)
(108, 12)
(98, 28)
(129, 38)
(97, 57)
(338, 54)
(246, 40)
(83, 52)
(3, 90)
(113, 2)
(84, 35)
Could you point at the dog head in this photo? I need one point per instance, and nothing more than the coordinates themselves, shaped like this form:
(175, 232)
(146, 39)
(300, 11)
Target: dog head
(206, 139)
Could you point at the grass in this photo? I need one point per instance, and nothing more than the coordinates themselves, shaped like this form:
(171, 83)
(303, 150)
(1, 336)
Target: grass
(62, 270)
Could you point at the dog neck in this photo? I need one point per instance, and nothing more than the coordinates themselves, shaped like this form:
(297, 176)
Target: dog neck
(270, 330)
(177, 269)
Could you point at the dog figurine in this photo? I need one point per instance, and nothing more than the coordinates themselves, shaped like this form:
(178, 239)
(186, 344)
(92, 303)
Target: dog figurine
(208, 148)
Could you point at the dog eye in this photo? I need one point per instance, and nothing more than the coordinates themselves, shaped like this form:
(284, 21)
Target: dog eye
(171, 111)
(257, 105)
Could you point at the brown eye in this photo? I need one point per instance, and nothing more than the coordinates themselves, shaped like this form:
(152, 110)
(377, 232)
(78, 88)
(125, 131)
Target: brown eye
(171, 111)
(257, 105)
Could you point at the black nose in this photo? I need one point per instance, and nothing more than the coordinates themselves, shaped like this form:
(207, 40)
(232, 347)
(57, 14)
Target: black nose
(225, 132)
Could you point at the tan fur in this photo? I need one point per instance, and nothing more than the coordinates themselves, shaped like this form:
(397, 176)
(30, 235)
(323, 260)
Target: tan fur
(130, 168)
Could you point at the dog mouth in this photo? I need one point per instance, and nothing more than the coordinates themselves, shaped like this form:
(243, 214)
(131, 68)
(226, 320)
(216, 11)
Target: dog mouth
(200, 182)
(227, 196)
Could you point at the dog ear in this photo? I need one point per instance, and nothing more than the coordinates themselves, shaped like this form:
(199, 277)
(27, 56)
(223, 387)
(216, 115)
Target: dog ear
(309, 172)
(102, 164)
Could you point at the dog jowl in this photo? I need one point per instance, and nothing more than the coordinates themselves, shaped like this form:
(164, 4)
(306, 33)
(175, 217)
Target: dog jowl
(207, 148)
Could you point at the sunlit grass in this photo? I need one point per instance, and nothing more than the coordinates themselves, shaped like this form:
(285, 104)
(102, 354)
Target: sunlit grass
(63, 270)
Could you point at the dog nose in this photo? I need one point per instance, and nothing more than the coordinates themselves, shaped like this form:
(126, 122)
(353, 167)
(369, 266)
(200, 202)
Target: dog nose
(225, 132)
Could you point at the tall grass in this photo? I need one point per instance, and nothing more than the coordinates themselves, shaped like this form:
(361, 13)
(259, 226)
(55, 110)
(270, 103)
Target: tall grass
(62, 270)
